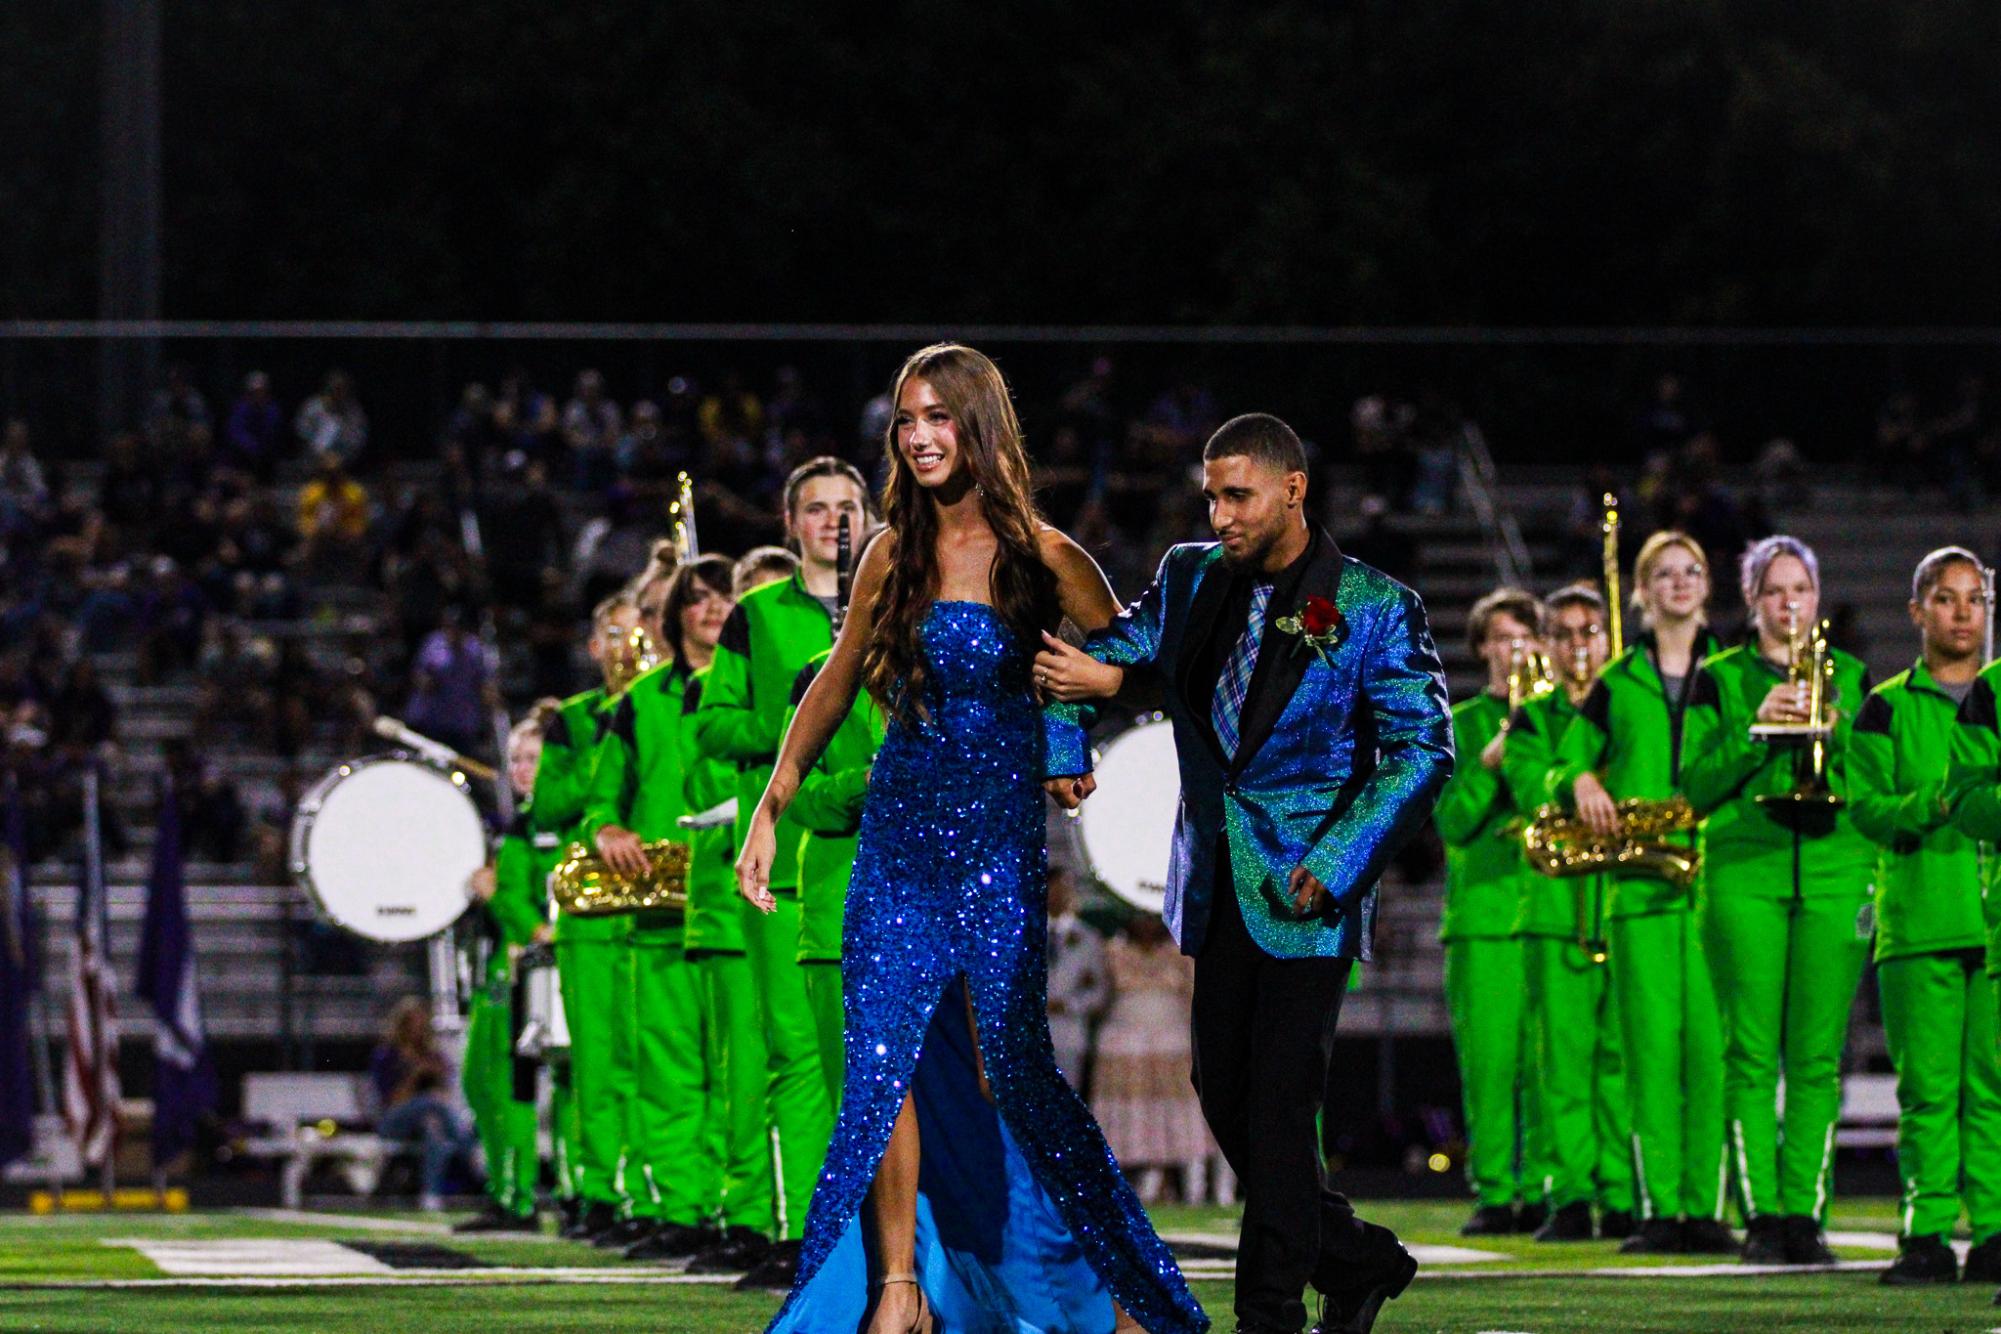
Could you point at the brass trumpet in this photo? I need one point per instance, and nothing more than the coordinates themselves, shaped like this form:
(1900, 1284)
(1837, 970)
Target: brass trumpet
(1809, 807)
(1531, 675)
(1560, 844)
(584, 886)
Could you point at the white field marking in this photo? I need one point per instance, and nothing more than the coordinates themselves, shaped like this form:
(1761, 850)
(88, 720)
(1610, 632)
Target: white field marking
(355, 1222)
(1874, 1241)
(264, 1257)
(1661, 1271)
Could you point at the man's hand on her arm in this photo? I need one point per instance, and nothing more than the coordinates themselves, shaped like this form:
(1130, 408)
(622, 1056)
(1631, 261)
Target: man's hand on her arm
(1067, 673)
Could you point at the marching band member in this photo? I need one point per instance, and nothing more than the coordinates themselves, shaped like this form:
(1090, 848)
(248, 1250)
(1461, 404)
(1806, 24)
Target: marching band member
(1477, 818)
(1629, 740)
(636, 798)
(1784, 877)
(1935, 793)
(593, 958)
(503, 1106)
(774, 631)
(1573, 1015)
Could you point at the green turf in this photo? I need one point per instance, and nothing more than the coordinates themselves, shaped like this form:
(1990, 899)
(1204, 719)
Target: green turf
(46, 1250)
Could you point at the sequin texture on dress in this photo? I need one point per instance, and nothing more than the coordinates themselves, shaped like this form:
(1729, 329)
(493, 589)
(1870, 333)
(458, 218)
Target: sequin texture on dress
(1024, 1222)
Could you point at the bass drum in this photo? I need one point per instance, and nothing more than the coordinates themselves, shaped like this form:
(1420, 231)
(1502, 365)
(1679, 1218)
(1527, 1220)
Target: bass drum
(384, 847)
(1127, 826)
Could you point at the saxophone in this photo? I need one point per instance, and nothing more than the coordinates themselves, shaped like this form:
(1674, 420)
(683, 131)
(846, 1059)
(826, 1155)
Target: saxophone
(584, 886)
(1560, 844)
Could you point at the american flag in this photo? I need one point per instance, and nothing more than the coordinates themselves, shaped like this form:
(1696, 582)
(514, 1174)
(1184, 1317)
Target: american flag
(90, 1076)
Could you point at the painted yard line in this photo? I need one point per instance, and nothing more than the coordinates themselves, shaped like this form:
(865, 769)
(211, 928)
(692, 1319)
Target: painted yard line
(1423, 1253)
(288, 1259)
(358, 1222)
(1661, 1271)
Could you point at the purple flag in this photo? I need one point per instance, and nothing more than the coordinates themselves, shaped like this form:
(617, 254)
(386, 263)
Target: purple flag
(183, 1076)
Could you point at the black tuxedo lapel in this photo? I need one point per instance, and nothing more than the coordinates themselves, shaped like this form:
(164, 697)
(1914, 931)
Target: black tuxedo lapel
(1283, 658)
(1210, 595)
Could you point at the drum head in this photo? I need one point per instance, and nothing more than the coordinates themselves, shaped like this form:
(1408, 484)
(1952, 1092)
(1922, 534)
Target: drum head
(384, 847)
(1127, 826)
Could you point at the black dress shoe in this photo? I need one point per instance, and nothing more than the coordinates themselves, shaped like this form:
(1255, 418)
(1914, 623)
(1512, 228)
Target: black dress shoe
(1354, 1293)
(776, 1272)
(496, 1219)
(1922, 1260)
(1706, 1236)
(1530, 1217)
(593, 1219)
(1983, 1262)
(567, 1213)
(1656, 1236)
(1615, 1225)
(1806, 1244)
(671, 1241)
(625, 1233)
(737, 1251)
(1764, 1241)
(1489, 1220)
(1572, 1222)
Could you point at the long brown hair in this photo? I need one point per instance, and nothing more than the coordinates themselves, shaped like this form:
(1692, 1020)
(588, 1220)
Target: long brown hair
(1024, 589)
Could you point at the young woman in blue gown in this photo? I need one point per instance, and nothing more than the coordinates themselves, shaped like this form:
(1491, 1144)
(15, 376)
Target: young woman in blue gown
(967, 1188)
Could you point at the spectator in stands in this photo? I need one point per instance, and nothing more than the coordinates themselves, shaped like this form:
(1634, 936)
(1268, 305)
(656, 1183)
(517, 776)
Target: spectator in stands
(592, 426)
(214, 823)
(331, 423)
(24, 487)
(172, 612)
(452, 692)
(1666, 422)
(333, 517)
(233, 682)
(1960, 439)
(653, 452)
(525, 417)
(177, 408)
(128, 490)
(104, 623)
(252, 436)
(1380, 431)
(613, 546)
(521, 529)
(732, 414)
(82, 714)
(472, 429)
(410, 1077)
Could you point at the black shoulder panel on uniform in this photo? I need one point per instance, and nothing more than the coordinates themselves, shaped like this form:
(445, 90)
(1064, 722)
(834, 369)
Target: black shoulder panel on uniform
(1978, 710)
(1522, 719)
(557, 732)
(1597, 707)
(1705, 693)
(1874, 716)
(691, 698)
(624, 722)
(804, 681)
(521, 826)
(736, 633)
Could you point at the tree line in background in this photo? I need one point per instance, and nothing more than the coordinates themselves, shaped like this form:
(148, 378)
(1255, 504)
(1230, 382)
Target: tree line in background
(1369, 162)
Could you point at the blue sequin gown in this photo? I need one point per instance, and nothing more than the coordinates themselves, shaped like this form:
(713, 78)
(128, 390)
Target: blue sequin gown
(1024, 1224)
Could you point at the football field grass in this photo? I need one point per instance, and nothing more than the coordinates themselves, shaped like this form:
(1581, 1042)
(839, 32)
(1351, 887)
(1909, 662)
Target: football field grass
(264, 1270)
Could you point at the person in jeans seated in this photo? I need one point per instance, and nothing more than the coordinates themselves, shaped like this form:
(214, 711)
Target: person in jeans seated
(410, 1076)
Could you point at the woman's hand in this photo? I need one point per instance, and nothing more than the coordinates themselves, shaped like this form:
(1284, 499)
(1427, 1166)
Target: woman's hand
(623, 851)
(753, 864)
(1491, 753)
(1069, 674)
(1595, 806)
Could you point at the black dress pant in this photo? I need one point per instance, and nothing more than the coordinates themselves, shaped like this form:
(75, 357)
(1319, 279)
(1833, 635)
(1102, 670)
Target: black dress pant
(1264, 1045)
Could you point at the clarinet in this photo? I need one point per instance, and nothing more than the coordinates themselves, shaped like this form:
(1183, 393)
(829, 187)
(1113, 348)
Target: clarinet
(844, 572)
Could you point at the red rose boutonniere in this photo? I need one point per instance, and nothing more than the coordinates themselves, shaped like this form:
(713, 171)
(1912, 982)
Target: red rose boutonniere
(1318, 624)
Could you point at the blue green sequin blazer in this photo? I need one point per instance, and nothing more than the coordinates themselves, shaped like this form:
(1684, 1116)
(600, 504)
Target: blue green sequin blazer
(1340, 757)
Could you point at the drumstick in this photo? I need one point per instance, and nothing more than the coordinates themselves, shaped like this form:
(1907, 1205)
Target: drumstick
(437, 752)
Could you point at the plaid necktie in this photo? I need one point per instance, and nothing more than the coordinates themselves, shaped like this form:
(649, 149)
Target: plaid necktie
(1235, 682)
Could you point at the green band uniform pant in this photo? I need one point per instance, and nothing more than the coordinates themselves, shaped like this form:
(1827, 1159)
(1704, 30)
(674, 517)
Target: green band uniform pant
(596, 977)
(1939, 1017)
(676, 1177)
(795, 1092)
(1674, 1065)
(740, 1084)
(1785, 972)
(1484, 996)
(1582, 1119)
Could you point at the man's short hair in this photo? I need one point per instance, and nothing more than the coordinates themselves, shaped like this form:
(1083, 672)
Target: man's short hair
(1260, 436)
(826, 465)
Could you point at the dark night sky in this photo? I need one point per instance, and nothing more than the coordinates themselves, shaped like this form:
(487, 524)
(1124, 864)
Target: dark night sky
(1558, 163)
